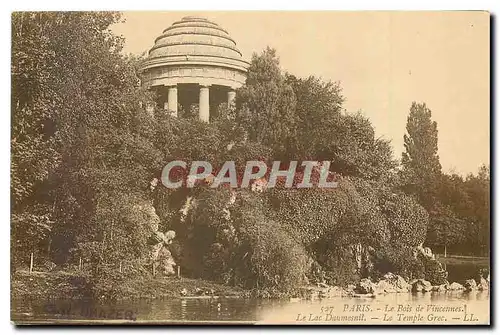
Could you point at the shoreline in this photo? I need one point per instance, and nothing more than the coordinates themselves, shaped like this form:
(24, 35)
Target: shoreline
(64, 285)
(73, 285)
(63, 297)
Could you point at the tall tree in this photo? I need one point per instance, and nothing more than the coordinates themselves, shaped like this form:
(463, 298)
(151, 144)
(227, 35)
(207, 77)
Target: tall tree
(267, 105)
(420, 161)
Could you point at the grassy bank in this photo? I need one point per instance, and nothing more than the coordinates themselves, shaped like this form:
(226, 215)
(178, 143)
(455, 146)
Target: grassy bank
(75, 285)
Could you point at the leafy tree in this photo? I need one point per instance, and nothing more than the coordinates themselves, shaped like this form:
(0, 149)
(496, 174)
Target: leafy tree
(445, 228)
(33, 142)
(478, 231)
(460, 217)
(355, 151)
(76, 140)
(302, 119)
(267, 105)
(318, 110)
(421, 167)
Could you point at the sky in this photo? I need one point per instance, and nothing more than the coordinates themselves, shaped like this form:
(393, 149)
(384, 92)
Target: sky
(383, 61)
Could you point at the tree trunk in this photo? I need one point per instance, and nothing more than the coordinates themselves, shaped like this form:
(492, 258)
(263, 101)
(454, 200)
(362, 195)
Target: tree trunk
(31, 263)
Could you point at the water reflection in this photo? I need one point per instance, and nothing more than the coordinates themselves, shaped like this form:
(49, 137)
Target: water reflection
(237, 309)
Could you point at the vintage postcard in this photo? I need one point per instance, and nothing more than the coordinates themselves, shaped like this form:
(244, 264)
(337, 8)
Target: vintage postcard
(250, 167)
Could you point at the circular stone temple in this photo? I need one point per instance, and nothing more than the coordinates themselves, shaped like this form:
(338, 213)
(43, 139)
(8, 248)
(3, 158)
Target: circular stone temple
(194, 61)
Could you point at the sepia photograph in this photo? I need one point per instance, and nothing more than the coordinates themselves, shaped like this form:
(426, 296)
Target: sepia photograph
(250, 168)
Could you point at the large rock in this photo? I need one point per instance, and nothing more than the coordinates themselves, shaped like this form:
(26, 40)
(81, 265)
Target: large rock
(160, 255)
(470, 285)
(420, 285)
(330, 292)
(169, 236)
(439, 288)
(365, 286)
(188, 205)
(384, 286)
(483, 280)
(350, 289)
(483, 285)
(397, 282)
(166, 262)
(455, 287)
(426, 252)
(316, 292)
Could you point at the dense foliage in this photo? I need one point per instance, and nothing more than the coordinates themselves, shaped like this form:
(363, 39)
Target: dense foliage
(85, 152)
(81, 156)
(458, 207)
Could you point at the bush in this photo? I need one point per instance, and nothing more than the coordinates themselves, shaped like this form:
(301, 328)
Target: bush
(275, 259)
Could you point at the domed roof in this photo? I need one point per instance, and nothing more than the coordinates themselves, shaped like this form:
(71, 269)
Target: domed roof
(195, 40)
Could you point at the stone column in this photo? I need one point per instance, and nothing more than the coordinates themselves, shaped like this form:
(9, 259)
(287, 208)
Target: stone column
(231, 96)
(204, 104)
(172, 100)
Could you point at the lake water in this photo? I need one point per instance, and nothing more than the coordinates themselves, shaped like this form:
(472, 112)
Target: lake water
(407, 308)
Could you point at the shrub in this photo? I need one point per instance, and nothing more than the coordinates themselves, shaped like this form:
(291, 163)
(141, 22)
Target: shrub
(275, 259)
